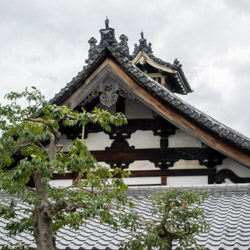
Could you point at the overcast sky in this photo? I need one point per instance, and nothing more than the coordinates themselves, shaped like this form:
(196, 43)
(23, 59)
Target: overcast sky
(45, 43)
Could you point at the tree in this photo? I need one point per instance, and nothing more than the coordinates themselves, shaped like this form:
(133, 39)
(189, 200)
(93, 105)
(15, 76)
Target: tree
(33, 133)
(175, 216)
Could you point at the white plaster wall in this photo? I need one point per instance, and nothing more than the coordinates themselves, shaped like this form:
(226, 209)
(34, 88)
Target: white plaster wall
(171, 181)
(94, 141)
(186, 180)
(61, 183)
(144, 139)
(104, 164)
(65, 143)
(97, 141)
(234, 166)
(183, 164)
(142, 181)
(137, 110)
(142, 165)
(181, 139)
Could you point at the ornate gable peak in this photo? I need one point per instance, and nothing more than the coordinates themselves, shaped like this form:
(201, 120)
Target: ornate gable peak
(107, 39)
(105, 84)
(108, 92)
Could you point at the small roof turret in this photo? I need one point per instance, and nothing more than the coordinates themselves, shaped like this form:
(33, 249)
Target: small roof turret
(169, 75)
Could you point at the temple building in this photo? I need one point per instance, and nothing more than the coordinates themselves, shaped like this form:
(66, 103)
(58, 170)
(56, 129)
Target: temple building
(166, 142)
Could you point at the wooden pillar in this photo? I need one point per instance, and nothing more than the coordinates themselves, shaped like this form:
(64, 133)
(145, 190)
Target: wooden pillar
(163, 180)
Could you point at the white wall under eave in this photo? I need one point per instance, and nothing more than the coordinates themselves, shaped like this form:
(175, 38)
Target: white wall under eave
(182, 139)
(144, 139)
(184, 164)
(143, 180)
(61, 183)
(98, 141)
(65, 143)
(94, 141)
(104, 164)
(234, 166)
(187, 180)
(142, 165)
(137, 110)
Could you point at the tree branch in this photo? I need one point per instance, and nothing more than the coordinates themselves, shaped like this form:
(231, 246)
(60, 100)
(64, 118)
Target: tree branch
(67, 116)
(56, 133)
(22, 146)
(67, 206)
(42, 147)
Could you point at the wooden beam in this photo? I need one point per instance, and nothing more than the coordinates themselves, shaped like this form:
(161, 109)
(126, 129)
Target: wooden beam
(151, 173)
(154, 154)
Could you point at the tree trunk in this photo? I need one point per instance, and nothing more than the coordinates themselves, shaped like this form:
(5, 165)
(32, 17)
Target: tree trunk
(42, 221)
(43, 231)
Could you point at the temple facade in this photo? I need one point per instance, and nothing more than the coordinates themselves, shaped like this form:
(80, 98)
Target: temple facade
(166, 141)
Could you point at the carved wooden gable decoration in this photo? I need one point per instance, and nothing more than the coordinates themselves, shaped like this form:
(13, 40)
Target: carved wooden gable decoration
(140, 83)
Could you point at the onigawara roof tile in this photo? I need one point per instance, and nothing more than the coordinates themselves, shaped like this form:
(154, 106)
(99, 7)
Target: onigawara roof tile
(227, 210)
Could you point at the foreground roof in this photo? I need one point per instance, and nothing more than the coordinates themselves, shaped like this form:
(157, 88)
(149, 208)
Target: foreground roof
(227, 210)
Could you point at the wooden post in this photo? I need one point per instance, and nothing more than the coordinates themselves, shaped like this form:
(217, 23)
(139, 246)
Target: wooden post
(163, 180)
(83, 131)
(79, 177)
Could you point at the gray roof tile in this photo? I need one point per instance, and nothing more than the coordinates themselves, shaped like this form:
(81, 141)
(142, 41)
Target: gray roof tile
(227, 210)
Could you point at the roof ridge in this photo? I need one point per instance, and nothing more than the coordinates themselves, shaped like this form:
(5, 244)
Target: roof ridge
(234, 186)
(216, 190)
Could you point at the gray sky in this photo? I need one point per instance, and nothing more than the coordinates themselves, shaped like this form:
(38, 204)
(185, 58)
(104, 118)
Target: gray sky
(45, 43)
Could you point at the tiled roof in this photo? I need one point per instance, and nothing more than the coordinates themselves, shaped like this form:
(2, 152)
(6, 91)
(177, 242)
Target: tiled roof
(227, 210)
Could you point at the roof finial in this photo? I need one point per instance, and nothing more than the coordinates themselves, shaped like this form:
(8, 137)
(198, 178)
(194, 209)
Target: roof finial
(142, 35)
(107, 22)
(143, 46)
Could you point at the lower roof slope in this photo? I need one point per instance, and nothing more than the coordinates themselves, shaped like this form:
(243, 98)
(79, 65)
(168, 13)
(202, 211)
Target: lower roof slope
(227, 210)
